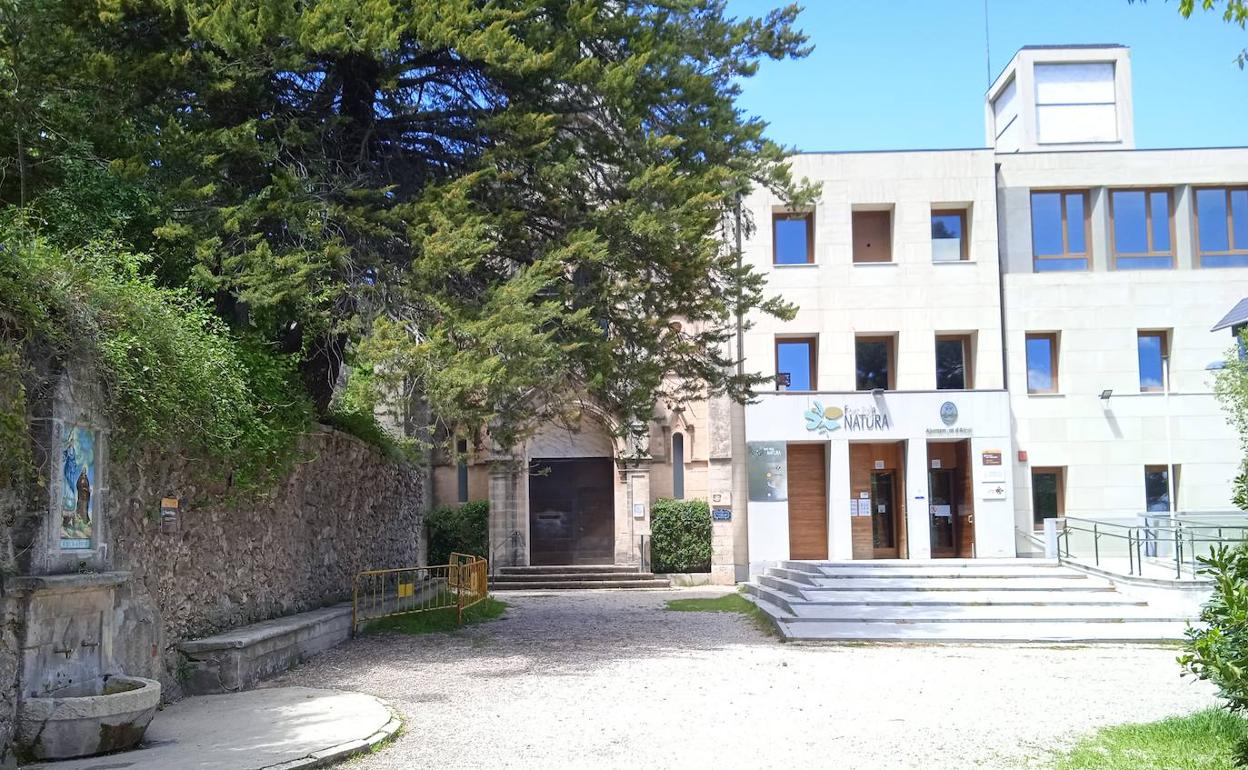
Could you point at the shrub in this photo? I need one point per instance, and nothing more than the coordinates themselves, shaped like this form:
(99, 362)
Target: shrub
(680, 532)
(1219, 651)
(458, 528)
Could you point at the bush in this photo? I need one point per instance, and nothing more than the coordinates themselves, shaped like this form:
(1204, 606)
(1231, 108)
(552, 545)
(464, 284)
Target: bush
(680, 536)
(1219, 651)
(458, 528)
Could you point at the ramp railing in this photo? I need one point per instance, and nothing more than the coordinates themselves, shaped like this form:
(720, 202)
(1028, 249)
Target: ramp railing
(384, 593)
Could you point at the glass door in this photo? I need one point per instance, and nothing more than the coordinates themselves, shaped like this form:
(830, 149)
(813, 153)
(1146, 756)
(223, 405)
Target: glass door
(883, 515)
(942, 512)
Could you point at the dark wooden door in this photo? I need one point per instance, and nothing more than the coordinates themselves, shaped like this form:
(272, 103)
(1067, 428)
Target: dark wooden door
(808, 501)
(571, 511)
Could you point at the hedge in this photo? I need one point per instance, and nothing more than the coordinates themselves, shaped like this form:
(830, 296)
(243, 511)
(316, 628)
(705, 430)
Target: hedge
(458, 528)
(680, 532)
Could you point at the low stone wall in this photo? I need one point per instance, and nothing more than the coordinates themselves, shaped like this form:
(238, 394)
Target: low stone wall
(344, 508)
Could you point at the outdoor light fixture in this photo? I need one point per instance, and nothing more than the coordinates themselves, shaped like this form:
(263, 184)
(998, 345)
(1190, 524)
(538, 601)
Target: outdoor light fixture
(1105, 394)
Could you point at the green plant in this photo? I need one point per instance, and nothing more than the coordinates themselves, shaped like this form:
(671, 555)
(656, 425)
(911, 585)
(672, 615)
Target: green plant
(1218, 649)
(458, 528)
(680, 532)
(440, 620)
(727, 603)
(1205, 740)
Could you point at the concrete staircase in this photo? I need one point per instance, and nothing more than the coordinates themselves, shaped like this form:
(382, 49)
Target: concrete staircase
(948, 600)
(578, 576)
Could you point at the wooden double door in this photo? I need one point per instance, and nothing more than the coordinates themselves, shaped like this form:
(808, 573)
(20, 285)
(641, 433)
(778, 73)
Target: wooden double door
(572, 511)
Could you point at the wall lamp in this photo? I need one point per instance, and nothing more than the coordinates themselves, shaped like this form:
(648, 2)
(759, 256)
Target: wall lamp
(1105, 394)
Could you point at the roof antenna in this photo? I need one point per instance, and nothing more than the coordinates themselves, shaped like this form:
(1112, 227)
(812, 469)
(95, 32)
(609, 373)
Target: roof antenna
(987, 50)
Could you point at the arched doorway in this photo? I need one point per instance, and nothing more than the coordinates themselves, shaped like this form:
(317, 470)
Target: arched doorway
(571, 495)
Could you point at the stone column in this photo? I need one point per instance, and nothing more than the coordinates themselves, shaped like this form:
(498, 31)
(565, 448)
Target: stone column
(632, 520)
(728, 556)
(509, 520)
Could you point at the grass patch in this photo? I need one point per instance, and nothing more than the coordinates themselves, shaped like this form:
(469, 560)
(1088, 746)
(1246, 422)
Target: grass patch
(439, 621)
(1201, 741)
(727, 603)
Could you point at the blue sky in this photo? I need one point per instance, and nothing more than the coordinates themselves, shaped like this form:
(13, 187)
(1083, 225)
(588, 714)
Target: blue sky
(901, 74)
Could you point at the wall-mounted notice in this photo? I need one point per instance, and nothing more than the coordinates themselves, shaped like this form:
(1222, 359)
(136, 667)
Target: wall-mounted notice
(719, 513)
(991, 457)
(879, 465)
(767, 471)
(169, 514)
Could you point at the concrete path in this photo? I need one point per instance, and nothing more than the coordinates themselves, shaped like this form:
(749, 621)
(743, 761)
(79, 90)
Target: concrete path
(608, 679)
(280, 728)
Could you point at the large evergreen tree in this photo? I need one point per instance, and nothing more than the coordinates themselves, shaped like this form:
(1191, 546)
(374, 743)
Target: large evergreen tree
(499, 200)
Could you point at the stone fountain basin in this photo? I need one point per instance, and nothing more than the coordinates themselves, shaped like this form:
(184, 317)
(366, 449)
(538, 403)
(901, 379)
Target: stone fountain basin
(109, 715)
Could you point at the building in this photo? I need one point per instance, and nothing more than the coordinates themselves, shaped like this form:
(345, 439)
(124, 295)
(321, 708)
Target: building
(991, 337)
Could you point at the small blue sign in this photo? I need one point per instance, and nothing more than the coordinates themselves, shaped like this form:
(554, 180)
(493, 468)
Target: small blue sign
(721, 514)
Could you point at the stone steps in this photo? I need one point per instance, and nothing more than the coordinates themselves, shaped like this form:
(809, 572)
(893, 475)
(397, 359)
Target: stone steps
(567, 569)
(507, 585)
(583, 576)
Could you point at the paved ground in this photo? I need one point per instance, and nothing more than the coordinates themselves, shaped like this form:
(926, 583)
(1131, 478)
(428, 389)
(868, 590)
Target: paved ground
(287, 728)
(609, 679)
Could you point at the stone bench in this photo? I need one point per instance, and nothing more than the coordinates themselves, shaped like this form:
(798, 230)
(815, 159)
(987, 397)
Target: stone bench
(240, 658)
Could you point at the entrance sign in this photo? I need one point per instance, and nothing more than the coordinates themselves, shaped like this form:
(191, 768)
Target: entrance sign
(991, 457)
(767, 470)
(721, 514)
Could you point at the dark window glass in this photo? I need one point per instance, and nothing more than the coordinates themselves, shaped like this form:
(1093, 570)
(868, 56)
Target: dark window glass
(1130, 222)
(1211, 216)
(1045, 488)
(1157, 488)
(1151, 349)
(1040, 365)
(678, 466)
(792, 240)
(461, 447)
(1159, 202)
(947, 237)
(872, 357)
(1046, 224)
(950, 364)
(793, 357)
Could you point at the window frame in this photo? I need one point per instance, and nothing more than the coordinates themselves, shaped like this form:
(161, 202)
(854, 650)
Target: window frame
(1233, 250)
(813, 342)
(887, 214)
(1054, 339)
(1067, 254)
(1164, 334)
(890, 342)
(968, 377)
(808, 216)
(964, 248)
(1060, 472)
(1148, 226)
(1172, 483)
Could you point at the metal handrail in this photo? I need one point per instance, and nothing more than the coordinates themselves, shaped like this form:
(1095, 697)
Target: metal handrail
(1143, 538)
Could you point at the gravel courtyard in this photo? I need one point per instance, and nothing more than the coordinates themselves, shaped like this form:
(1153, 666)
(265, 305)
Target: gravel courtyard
(610, 679)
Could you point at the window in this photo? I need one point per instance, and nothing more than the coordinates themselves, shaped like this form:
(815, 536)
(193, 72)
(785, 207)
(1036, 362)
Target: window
(873, 236)
(953, 358)
(949, 236)
(793, 238)
(678, 466)
(461, 448)
(1048, 495)
(1154, 353)
(1042, 363)
(1222, 225)
(795, 363)
(1157, 488)
(1059, 230)
(874, 356)
(1075, 102)
(1142, 229)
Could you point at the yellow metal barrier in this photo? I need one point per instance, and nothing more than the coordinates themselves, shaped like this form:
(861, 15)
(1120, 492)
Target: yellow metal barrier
(383, 593)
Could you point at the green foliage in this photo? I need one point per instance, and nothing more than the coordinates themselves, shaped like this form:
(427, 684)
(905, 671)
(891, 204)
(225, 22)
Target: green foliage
(1218, 650)
(1233, 12)
(173, 375)
(441, 620)
(734, 602)
(1206, 740)
(680, 532)
(1231, 388)
(354, 410)
(458, 528)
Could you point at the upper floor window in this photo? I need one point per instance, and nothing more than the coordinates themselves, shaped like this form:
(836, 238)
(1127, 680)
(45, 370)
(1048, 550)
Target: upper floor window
(678, 466)
(1143, 229)
(949, 236)
(1059, 230)
(793, 237)
(1153, 353)
(953, 357)
(873, 236)
(796, 363)
(874, 359)
(461, 470)
(1075, 102)
(1042, 363)
(1222, 225)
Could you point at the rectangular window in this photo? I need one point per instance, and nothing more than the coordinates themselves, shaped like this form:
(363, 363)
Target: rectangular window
(678, 466)
(795, 363)
(1153, 353)
(874, 358)
(1075, 102)
(949, 243)
(1157, 488)
(1042, 363)
(461, 448)
(953, 362)
(872, 236)
(1048, 495)
(793, 237)
(1222, 226)
(1142, 229)
(1059, 230)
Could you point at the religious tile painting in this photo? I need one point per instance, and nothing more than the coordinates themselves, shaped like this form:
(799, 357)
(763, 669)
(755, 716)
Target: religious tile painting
(78, 480)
